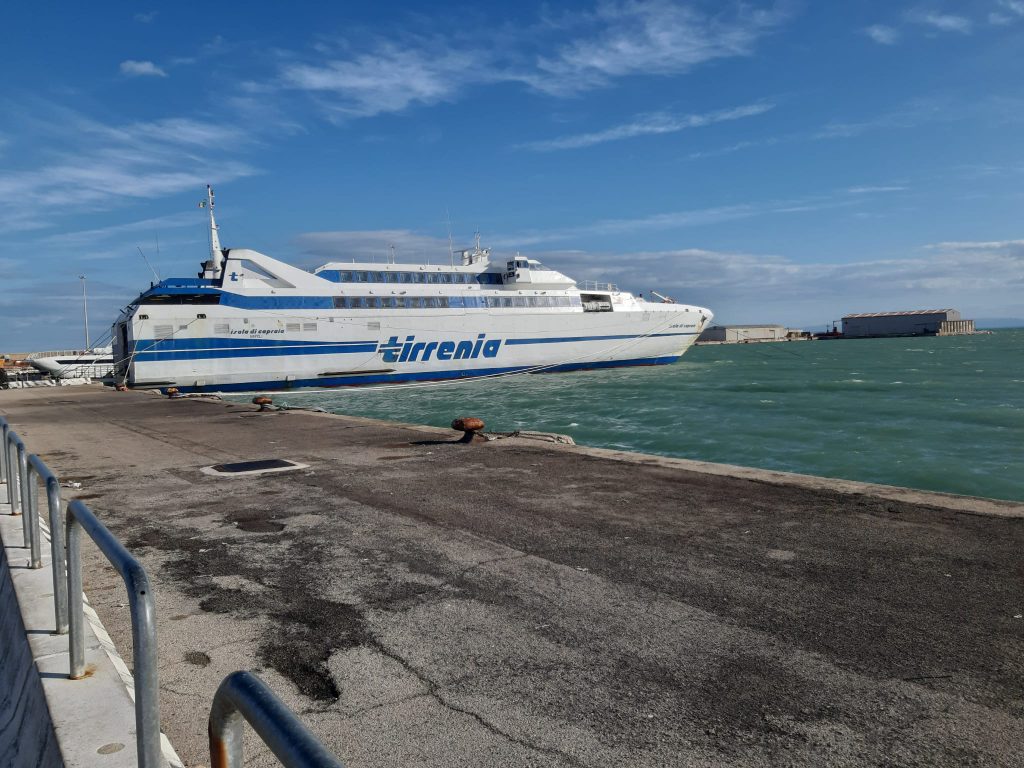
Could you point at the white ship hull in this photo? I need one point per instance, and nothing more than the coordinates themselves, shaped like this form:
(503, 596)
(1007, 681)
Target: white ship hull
(345, 350)
(74, 364)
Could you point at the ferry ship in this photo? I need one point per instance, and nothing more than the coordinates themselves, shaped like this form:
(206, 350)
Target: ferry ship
(249, 322)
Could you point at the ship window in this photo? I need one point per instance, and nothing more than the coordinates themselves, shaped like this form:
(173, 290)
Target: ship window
(181, 298)
(421, 277)
(520, 301)
(344, 277)
(506, 301)
(292, 327)
(309, 326)
(163, 331)
(224, 328)
(533, 301)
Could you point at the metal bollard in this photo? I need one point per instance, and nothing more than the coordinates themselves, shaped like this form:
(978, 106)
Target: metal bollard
(243, 696)
(143, 611)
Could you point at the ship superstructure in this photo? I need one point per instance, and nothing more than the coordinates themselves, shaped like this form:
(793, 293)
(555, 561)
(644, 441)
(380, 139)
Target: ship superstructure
(251, 322)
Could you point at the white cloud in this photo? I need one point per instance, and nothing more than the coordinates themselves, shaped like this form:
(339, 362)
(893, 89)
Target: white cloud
(882, 34)
(915, 113)
(388, 79)
(86, 236)
(619, 39)
(1014, 247)
(655, 37)
(141, 69)
(146, 18)
(673, 220)
(867, 190)
(944, 22)
(1014, 6)
(646, 125)
(101, 166)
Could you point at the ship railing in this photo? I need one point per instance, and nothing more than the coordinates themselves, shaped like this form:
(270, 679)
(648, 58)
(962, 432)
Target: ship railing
(240, 696)
(59, 353)
(594, 285)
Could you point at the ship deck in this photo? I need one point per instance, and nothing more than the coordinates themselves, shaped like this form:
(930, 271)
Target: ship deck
(426, 603)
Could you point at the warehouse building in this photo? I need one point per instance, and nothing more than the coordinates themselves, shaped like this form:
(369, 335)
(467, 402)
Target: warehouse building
(919, 322)
(740, 334)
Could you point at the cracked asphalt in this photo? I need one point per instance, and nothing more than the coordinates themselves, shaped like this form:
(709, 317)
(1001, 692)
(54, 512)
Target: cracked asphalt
(424, 603)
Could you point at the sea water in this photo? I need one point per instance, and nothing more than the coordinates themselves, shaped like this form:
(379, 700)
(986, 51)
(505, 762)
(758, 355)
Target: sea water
(938, 413)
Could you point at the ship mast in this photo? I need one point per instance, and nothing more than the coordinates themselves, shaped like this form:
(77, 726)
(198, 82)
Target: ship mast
(213, 268)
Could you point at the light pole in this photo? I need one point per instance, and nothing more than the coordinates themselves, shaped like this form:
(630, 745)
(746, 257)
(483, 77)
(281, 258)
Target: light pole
(85, 308)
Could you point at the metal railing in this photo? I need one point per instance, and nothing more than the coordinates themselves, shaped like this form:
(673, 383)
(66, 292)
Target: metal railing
(594, 285)
(241, 696)
(143, 612)
(4, 427)
(5, 470)
(39, 471)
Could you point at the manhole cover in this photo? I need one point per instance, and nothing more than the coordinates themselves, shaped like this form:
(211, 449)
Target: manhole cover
(254, 467)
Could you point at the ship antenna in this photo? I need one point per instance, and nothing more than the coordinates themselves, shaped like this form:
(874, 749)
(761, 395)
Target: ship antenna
(157, 271)
(451, 246)
(143, 255)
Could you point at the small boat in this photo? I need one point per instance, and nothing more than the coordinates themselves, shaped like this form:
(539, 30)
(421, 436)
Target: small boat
(251, 322)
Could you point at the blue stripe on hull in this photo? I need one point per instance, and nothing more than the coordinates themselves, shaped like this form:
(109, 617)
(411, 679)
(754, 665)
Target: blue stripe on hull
(161, 350)
(564, 339)
(394, 378)
(221, 354)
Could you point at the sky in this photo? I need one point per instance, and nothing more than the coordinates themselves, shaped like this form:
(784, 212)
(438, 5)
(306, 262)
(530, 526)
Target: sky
(781, 162)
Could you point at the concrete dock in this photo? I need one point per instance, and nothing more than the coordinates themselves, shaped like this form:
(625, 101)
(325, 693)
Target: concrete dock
(425, 603)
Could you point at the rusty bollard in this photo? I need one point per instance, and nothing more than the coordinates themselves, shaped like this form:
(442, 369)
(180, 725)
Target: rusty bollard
(263, 402)
(469, 425)
(171, 392)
